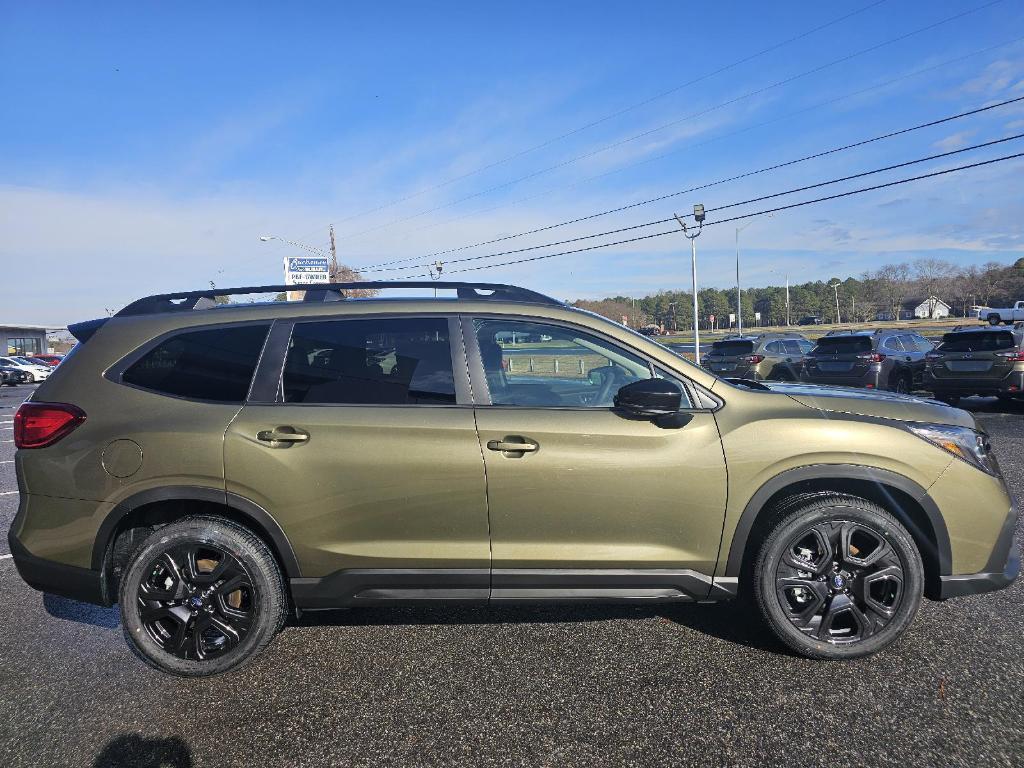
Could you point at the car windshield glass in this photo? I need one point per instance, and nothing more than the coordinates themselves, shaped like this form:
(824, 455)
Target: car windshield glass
(988, 341)
(843, 345)
(732, 347)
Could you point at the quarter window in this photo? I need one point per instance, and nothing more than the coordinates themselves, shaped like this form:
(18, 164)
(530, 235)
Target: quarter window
(535, 365)
(404, 361)
(215, 364)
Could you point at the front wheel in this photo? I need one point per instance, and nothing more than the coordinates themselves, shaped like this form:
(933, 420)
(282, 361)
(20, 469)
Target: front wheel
(838, 577)
(201, 596)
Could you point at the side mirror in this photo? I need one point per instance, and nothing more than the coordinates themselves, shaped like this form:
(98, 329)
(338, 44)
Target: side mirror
(649, 398)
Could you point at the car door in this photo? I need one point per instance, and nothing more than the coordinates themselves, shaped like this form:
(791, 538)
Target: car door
(359, 439)
(592, 504)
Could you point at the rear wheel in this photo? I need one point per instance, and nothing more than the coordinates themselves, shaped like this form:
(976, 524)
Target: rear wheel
(838, 577)
(900, 384)
(201, 596)
(994, 320)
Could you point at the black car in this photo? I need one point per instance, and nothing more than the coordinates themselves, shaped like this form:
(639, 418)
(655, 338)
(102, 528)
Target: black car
(809, 320)
(12, 377)
(893, 360)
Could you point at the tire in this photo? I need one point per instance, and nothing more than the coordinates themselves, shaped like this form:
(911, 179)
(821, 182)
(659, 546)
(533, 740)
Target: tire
(853, 610)
(178, 579)
(900, 384)
(994, 320)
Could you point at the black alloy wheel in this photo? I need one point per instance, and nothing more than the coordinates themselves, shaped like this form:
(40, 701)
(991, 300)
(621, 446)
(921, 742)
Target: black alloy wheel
(201, 596)
(197, 601)
(839, 581)
(838, 576)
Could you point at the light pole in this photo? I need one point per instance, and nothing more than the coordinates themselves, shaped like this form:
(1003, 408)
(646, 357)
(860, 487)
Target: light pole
(698, 216)
(739, 297)
(835, 287)
(310, 248)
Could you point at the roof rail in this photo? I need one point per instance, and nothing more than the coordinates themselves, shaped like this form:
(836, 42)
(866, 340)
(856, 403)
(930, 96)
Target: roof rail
(323, 292)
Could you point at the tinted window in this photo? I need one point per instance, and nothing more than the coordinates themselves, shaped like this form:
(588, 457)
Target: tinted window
(923, 345)
(775, 347)
(404, 361)
(215, 364)
(554, 366)
(985, 341)
(730, 348)
(910, 344)
(793, 347)
(843, 345)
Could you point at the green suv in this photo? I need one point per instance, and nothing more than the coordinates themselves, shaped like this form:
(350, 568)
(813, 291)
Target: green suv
(215, 467)
(977, 361)
(766, 356)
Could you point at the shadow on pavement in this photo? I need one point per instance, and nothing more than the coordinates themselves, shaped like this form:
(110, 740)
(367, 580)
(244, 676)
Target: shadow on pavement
(83, 613)
(733, 621)
(136, 751)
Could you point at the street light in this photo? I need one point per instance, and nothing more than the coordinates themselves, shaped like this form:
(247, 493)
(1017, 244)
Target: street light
(835, 287)
(739, 299)
(310, 248)
(698, 216)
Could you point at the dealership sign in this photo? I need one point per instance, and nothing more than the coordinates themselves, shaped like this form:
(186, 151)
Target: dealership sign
(299, 270)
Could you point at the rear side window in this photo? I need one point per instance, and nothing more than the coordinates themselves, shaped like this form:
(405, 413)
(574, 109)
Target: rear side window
(732, 348)
(405, 361)
(215, 364)
(985, 341)
(843, 345)
(893, 344)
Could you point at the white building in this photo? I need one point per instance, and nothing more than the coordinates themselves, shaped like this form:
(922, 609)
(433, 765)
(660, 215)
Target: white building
(932, 308)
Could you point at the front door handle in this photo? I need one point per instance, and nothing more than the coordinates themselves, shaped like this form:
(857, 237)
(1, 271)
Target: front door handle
(282, 437)
(512, 446)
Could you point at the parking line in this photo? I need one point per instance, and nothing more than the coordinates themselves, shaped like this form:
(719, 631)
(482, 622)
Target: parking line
(4, 557)
(8, 493)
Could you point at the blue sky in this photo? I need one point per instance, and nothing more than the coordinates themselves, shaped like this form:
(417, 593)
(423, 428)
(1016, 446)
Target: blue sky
(145, 147)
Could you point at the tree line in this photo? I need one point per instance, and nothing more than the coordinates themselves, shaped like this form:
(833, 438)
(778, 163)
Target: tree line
(880, 292)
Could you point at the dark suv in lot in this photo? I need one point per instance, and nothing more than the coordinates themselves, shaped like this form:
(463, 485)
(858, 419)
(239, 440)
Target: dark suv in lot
(772, 356)
(892, 360)
(977, 361)
(213, 467)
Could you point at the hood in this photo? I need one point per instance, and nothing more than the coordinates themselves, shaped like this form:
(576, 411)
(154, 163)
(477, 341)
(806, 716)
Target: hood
(871, 402)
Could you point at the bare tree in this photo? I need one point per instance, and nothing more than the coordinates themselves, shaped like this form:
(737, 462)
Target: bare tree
(934, 278)
(892, 283)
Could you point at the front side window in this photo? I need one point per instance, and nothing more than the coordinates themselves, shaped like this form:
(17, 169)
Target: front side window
(536, 365)
(214, 364)
(404, 361)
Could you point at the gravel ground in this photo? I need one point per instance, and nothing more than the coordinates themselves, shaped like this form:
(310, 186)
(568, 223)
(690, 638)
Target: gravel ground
(683, 685)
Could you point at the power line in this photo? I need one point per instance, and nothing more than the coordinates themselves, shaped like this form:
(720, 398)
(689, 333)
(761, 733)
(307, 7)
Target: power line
(759, 199)
(643, 134)
(618, 113)
(747, 174)
(685, 148)
(743, 216)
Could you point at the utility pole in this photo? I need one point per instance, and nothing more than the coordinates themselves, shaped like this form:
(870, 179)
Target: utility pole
(835, 287)
(739, 296)
(333, 269)
(698, 216)
(787, 300)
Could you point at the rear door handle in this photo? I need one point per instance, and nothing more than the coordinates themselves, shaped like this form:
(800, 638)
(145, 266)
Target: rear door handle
(281, 437)
(511, 446)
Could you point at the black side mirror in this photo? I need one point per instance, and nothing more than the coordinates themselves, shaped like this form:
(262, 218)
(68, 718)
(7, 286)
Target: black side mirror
(649, 398)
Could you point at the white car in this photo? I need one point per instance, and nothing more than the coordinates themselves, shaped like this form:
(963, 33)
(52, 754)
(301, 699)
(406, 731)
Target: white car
(1008, 315)
(36, 371)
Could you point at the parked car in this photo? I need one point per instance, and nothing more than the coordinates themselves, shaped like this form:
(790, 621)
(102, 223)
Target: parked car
(1008, 315)
(774, 356)
(12, 377)
(35, 371)
(317, 474)
(881, 359)
(809, 320)
(977, 361)
(47, 358)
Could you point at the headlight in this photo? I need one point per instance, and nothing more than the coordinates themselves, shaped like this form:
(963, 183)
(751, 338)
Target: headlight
(966, 444)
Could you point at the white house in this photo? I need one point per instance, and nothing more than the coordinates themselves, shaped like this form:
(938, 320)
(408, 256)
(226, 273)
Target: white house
(922, 309)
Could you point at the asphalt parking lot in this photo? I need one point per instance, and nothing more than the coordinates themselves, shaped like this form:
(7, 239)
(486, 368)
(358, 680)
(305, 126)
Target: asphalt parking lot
(682, 685)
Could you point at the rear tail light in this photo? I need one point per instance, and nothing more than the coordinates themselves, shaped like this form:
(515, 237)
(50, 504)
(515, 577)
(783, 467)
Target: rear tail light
(872, 357)
(753, 359)
(37, 425)
(1013, 355)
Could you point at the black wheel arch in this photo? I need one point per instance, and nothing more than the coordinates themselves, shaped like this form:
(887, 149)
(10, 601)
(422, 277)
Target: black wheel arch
(171, 502)
(901, 496)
